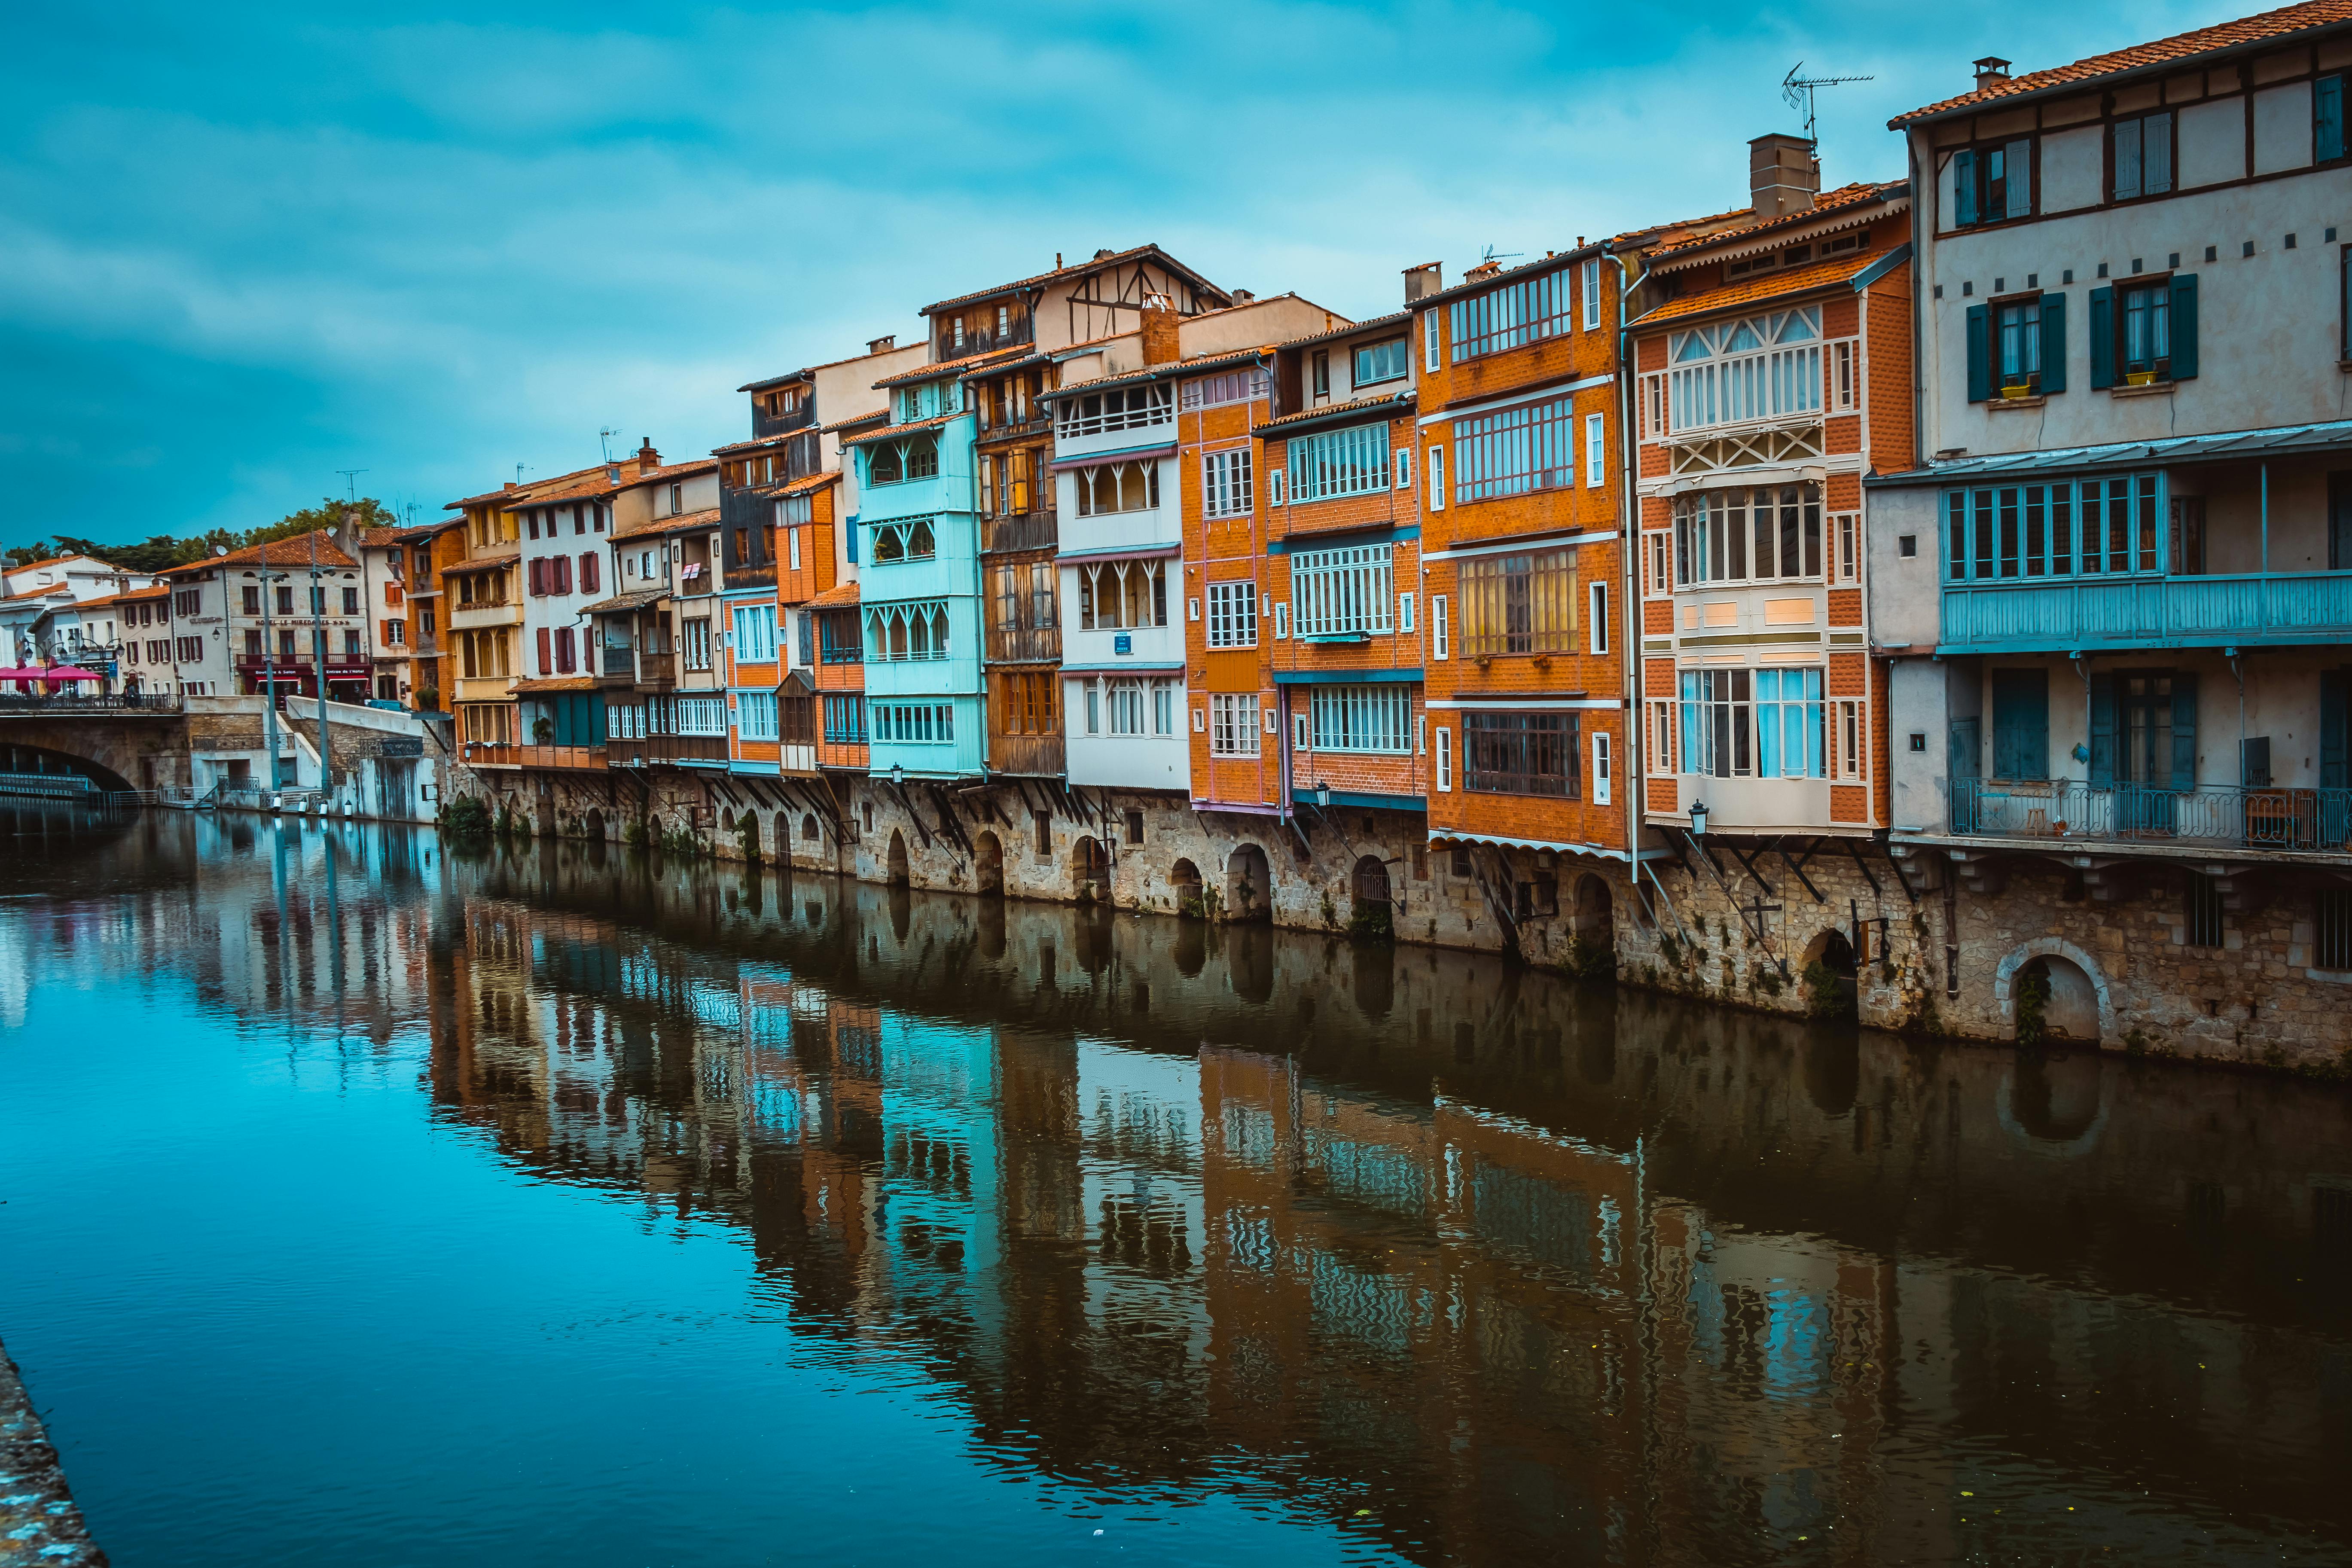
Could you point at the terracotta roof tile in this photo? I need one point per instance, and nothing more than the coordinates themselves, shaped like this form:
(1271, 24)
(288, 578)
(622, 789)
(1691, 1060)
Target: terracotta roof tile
(1830, 204)
(484, 562)
(1396, 318)
(1842, 269)
(58, 561)
(839, 596)
(963, 366)
(2268, 27)
(855, 419)
(637, 599)
(890, 431)
(1167, 368)
(552, 683)
(290, 551)
(1385, 401)
(1092, 264)
(808, 482)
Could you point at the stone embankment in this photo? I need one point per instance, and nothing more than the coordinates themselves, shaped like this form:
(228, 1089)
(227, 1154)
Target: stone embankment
(39, 1521)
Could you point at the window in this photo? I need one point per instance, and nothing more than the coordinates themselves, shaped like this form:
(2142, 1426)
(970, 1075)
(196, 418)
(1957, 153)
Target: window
(1368, 717)
(1990, 184)
(845, 720)
(1717, 705)
(915, 724)
(1115, 487)
(899, 633)
(2328, 120)
(904, 542)
(895, 462)
(1233, 725)
(1599, 617)
(755, 715)
(1592, 294)
(1382, 362)
(1437, 478)
(1273, 489)
(2144, 344)
(1093, 706)
(1401, 467)
(1163, 707)
(1127, 707)
(1122, 594)
(1350, 462)
(253, 595)
(1596, 451)
(702, 715)
(567, 651)
(1023, 702)
(1444, 766)
(2332, 929)
(1126, 408)
(1248, 385)
(591, 573)
(837, 639)
(694, 642)
(793, 561)
(755, 634)
(1520, 753)
(1849, 740)
(1281, 623)
(1789, 723)
(351, 647)
(1404, 611)
(1525, 312)
(1342, 593)
(1233, 615)
(2140, 156)
(1849, 548)
(1662, 736)
(1660, 553)
(2109, 526)
(1428, 341)
(1842, 380)
(1321, 374)
(351, 601)
(1600, 767)
(284, 600)
(1736, 535)
(1518, 603)
(1438, 628)
(1762, 367)
(1225, 483)
(2201, 909)
(2017, 352)
(1531, 448)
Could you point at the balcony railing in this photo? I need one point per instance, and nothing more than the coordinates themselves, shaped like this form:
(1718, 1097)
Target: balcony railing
(647, 748)
(621, 661)
(1020, 531)
(2148, 610)
(31, 702)
(1023, 645)
(484, 754)
(2213, 816)
(1030, 755)
(760, 576)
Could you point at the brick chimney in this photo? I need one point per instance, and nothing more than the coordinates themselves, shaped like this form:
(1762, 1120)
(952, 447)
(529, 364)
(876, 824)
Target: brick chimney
(1424, 280)
(647, 459)
(1990, 70)
(883, 344)
(1161, 345)
(1782, 177)
(1480, 273)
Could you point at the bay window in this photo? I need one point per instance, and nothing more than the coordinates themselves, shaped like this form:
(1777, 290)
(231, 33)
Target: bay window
(1343, 592)
(1363, 717)
(1748, 534)
(1233, 725)
(1350, 462)
(1518, 603)
(1521, 753)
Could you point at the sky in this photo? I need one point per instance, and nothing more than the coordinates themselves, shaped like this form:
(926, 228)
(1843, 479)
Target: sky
(243, 248)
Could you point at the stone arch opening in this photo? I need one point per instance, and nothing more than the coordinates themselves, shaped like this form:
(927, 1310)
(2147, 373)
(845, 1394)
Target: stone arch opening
(37, 764)
(2057, 1098)
(1831, 977)
(1594, 919)
(1089, 870)
(1184, 881)
(988, 863)
(1249, 886)
(2077, 1006)
(593, 825)
(896, 873)
(1368, 905)
(727, 819)
(808, 827)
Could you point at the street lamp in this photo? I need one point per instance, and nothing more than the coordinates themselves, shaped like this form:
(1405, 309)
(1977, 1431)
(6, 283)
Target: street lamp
(1322, 794)
(898, 773)
(1698, 819)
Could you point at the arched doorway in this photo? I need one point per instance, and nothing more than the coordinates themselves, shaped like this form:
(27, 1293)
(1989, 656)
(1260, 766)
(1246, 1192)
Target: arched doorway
(2054, 1000)
(1831, 977)
(1595, 920)
(1089, 870)
(1184, 881)
(897, 877)
(593, 825)
(988, 863)
(1368, 912)
(1249, 886)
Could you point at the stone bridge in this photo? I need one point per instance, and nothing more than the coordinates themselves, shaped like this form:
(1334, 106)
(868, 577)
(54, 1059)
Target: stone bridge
(116, 748)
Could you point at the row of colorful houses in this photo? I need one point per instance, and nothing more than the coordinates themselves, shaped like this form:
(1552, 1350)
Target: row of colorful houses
(1731, 596)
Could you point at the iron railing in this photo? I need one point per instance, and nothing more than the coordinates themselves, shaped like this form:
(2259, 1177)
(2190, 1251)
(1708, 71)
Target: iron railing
(2222, 815)
(143, 702)
(1020, 531)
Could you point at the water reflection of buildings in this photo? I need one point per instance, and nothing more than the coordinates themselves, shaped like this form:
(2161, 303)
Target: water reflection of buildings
(1516, 1269)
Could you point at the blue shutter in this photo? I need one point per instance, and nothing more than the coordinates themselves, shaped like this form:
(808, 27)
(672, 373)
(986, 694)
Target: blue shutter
(2103, 730)
(2184, 731)
(2054, 343)
(2102, 338)
(2184, 326)
(1979, 354)
(1964, 189)
(2327, 117)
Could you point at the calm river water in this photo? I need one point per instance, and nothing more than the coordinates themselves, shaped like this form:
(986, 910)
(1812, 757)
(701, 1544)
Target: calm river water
(361, 1204)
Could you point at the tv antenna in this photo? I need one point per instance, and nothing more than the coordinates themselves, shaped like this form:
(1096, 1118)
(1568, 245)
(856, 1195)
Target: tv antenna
(351, 483)
(1796, 92)
(605, 439)
(518, 467)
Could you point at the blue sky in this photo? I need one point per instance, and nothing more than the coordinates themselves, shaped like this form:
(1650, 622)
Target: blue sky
(242, 247)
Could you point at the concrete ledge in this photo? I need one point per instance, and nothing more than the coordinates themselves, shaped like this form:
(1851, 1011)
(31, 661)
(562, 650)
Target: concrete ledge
(39, 1521)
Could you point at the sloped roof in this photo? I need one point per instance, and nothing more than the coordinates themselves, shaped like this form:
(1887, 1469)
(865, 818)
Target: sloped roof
(1160, 372)
(1847, 200)
(947, 367)
(841, 595)
(289, 552)
(2267, 26)
(1385, 405)
(890, 431)
(1092, 264)
(554, 683)
(1394, 319)
(619, 603)
(59, 561)
(1763, 286)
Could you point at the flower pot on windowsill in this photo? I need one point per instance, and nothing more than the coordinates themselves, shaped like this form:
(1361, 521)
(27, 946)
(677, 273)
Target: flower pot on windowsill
(2138, 377)
(2011, 393)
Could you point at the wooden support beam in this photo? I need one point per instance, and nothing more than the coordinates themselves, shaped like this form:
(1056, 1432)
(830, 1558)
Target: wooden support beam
(1799, 871)
(1749, 862)
(1855, 850)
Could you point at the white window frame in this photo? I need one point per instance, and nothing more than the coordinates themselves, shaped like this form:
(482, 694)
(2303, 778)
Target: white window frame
(1444, 766)
(1429, 343)
(1600, 770)
(1281, 621)
(1344, 591)
(1231, 716)
(1596, 451)
(1302, 734)
(1401, 460)
(1421, 734)
(1338, 463)
(1591, 281)
(1597, 592)
(1362, 718)
(1440, 641)
(1232, 614)
(1277, 488)
(1664, 727)
(1404, 611)
(1435, 470)
(1225, 487)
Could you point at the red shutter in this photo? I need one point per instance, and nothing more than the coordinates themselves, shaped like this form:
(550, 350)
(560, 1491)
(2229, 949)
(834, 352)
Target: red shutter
(546, 660)
(564, 662)
(588, 572)
(537, 577)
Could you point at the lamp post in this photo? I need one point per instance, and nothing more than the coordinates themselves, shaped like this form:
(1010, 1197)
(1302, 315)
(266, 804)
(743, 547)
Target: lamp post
(268, 670)
(1698, 819)
(319, 667)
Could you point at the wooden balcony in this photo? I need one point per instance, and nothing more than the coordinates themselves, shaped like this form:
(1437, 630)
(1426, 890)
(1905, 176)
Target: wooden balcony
(1025, 644)
(665, 750)
(483, 754)
(2065, 615)
(1033, 756)
(1019, 530)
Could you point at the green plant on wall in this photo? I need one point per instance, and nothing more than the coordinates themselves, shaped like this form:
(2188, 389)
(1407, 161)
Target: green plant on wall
(1825, 997)
(747, 837)
(467, 820)
(2033, 1005)
(542, 730)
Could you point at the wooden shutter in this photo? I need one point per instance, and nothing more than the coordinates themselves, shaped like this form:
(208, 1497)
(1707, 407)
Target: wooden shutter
(2184, 731)
(2103, 731)
(2102, 338)
(2328, 118)
(2335, 765)
(2184, 326)
(2054, 343)
(546, 650)
(1979, 329)
(1964, 189)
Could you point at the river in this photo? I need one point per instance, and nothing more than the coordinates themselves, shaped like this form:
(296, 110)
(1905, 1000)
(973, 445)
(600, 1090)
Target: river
(362, 1202)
